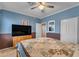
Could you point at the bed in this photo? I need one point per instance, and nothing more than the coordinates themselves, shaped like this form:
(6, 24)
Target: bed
(48, 47)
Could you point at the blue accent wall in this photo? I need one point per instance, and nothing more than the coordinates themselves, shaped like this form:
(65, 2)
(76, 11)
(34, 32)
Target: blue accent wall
(72, 12)
(9, 18)
(1, 16)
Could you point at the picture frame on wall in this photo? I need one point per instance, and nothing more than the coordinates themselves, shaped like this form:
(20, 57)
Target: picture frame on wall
(51, 26)
(25, 22)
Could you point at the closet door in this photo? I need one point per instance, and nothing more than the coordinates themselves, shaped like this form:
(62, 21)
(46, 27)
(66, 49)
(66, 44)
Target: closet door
(69, 30)
(63, 30)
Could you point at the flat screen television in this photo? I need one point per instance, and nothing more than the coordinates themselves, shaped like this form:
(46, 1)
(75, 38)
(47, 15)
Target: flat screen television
(19, 30)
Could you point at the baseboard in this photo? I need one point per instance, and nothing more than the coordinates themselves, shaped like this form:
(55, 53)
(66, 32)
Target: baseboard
(6, 48)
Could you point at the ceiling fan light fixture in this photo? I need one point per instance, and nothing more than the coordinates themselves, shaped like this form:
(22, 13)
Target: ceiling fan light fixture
(41, 7)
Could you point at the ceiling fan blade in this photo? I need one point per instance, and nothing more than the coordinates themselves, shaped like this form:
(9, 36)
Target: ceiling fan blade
(40, 3)
(34, 7)
(44, 4)
(50, 6)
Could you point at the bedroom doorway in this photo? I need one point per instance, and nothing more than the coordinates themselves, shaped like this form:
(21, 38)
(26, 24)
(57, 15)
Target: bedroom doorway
(38, 30)
(43, 29)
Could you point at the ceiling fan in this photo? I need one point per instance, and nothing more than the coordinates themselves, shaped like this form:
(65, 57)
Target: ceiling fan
(40, 5)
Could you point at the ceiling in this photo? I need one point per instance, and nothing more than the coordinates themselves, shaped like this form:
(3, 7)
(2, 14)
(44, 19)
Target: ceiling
(25, 8)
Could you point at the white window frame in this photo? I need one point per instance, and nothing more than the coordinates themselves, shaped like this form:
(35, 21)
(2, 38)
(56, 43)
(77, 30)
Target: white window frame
(53, 26)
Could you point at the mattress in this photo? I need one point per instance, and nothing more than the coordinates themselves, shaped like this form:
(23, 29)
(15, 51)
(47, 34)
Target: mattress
(48, 47)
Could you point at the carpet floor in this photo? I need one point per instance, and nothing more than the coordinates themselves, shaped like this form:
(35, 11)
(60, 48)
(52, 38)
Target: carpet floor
(9, 52)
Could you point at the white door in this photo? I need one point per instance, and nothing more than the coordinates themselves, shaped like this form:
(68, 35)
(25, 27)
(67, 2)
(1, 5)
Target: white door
(69, 30)
(43, 29)
(38, 30)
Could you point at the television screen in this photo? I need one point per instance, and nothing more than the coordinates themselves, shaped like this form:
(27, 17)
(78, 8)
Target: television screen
(19, 30)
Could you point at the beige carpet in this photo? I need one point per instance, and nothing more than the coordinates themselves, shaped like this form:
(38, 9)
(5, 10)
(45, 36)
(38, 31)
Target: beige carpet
(9, 52)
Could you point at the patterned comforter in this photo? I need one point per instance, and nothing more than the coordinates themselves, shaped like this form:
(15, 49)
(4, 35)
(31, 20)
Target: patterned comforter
(47, 47)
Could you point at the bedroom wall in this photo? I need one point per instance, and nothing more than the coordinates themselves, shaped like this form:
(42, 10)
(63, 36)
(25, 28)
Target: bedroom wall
(0, 21)
(8, 18)
(72, 12)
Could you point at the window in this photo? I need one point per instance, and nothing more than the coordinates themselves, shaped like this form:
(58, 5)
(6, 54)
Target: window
(51, 26)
